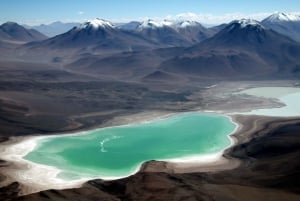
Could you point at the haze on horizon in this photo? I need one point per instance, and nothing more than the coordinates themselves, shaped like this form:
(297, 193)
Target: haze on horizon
(35, 12)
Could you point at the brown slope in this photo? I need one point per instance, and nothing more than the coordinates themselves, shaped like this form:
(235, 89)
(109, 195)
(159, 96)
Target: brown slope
(127, 65)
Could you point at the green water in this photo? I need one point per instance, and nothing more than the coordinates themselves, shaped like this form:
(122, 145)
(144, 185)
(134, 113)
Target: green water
(118, 151)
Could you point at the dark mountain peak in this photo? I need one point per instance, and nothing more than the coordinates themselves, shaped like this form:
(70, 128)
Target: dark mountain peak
(244, 34)
(10, 24)
(241, 32)
(14, 32)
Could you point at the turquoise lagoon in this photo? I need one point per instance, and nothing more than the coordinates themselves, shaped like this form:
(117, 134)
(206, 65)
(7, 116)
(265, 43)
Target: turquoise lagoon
(116, 152)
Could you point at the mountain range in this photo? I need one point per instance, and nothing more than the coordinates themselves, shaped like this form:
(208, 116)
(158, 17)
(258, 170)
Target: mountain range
(286, 24)
(162, 50)
(100, 35)
(243, 48)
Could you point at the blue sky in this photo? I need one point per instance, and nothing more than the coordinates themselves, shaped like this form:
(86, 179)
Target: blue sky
(45, 11)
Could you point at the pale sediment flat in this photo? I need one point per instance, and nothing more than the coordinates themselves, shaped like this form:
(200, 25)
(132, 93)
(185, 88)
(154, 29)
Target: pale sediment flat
(271, 92)
(289, 96)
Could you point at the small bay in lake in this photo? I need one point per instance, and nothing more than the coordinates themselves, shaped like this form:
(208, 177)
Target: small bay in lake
(289, 96)
(119, 151)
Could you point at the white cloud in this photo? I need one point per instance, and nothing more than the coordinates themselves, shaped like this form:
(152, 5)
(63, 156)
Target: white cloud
(217, 19)
(206, 19)
(203, 18)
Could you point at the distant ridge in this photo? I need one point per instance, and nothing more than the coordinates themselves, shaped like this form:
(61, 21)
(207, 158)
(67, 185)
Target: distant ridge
(55, 28)
(11, 31)
(155, 50)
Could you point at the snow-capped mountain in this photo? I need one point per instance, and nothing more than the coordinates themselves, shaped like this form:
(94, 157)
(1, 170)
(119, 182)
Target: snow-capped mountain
(173, 33)
(152, 24)
(282, 17)
(161, 32)
(94, 36)
(286, 24)
(244, 32)
(11, 31)
(96, 24)
(87, 33)
(246, 23)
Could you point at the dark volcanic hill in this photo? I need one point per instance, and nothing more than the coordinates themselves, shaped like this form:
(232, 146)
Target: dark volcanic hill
(244, 34)
(244, 48)
(13, 32)
(286, 24)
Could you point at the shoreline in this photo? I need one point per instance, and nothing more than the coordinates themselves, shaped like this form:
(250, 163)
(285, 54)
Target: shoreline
(25, 171)
(203, 163)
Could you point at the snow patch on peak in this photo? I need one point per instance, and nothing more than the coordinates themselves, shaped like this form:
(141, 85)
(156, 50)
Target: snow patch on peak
(248, 22)
(279, 17)
(184, 24)
(243, 23)
(96, 23)
(155, 24)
